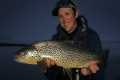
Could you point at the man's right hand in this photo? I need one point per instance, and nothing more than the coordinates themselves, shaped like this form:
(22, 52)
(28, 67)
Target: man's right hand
(48, 62)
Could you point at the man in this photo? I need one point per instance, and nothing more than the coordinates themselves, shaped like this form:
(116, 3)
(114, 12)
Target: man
(73, 27)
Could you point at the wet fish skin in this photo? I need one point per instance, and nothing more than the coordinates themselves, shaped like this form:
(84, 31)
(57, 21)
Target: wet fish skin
(63, 53)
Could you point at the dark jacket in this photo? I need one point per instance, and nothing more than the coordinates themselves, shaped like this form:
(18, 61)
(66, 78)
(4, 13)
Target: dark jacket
(83, 37)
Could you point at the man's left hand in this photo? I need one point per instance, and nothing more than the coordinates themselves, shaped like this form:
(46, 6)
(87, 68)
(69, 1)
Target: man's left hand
(92, 69)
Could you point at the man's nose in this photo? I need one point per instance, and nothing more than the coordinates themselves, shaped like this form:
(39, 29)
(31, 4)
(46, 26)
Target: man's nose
(65, 18)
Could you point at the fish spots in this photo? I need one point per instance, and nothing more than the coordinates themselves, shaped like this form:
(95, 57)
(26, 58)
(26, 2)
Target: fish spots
(63, 54)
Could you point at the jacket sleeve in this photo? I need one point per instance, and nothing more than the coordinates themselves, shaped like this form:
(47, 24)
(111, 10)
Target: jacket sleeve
(94, 42)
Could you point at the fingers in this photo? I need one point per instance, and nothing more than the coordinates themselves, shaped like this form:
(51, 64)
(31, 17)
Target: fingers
(92, 69)
(47, 62)
(85, 71)
(50, 62)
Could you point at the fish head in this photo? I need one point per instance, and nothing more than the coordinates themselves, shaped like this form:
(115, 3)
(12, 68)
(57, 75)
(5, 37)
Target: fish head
(27, 56)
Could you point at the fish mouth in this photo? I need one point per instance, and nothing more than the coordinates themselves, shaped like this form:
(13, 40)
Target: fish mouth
(24, 59)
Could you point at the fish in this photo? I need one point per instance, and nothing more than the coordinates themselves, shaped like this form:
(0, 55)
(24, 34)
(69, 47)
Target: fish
(64, 53)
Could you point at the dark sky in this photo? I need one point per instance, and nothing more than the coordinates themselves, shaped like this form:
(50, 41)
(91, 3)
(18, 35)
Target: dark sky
(26, 21)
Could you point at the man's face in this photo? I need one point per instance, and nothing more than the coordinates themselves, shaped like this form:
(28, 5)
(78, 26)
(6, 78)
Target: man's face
(67, 18)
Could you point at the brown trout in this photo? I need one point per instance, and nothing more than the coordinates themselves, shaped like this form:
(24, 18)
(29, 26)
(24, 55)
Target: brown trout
(63, 53)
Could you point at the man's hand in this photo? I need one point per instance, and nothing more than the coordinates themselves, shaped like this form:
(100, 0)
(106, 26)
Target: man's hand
(45, 64)
(92, 69)
(49, 62)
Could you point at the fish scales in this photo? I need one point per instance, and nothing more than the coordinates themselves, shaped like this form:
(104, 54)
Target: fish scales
(63, 53)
